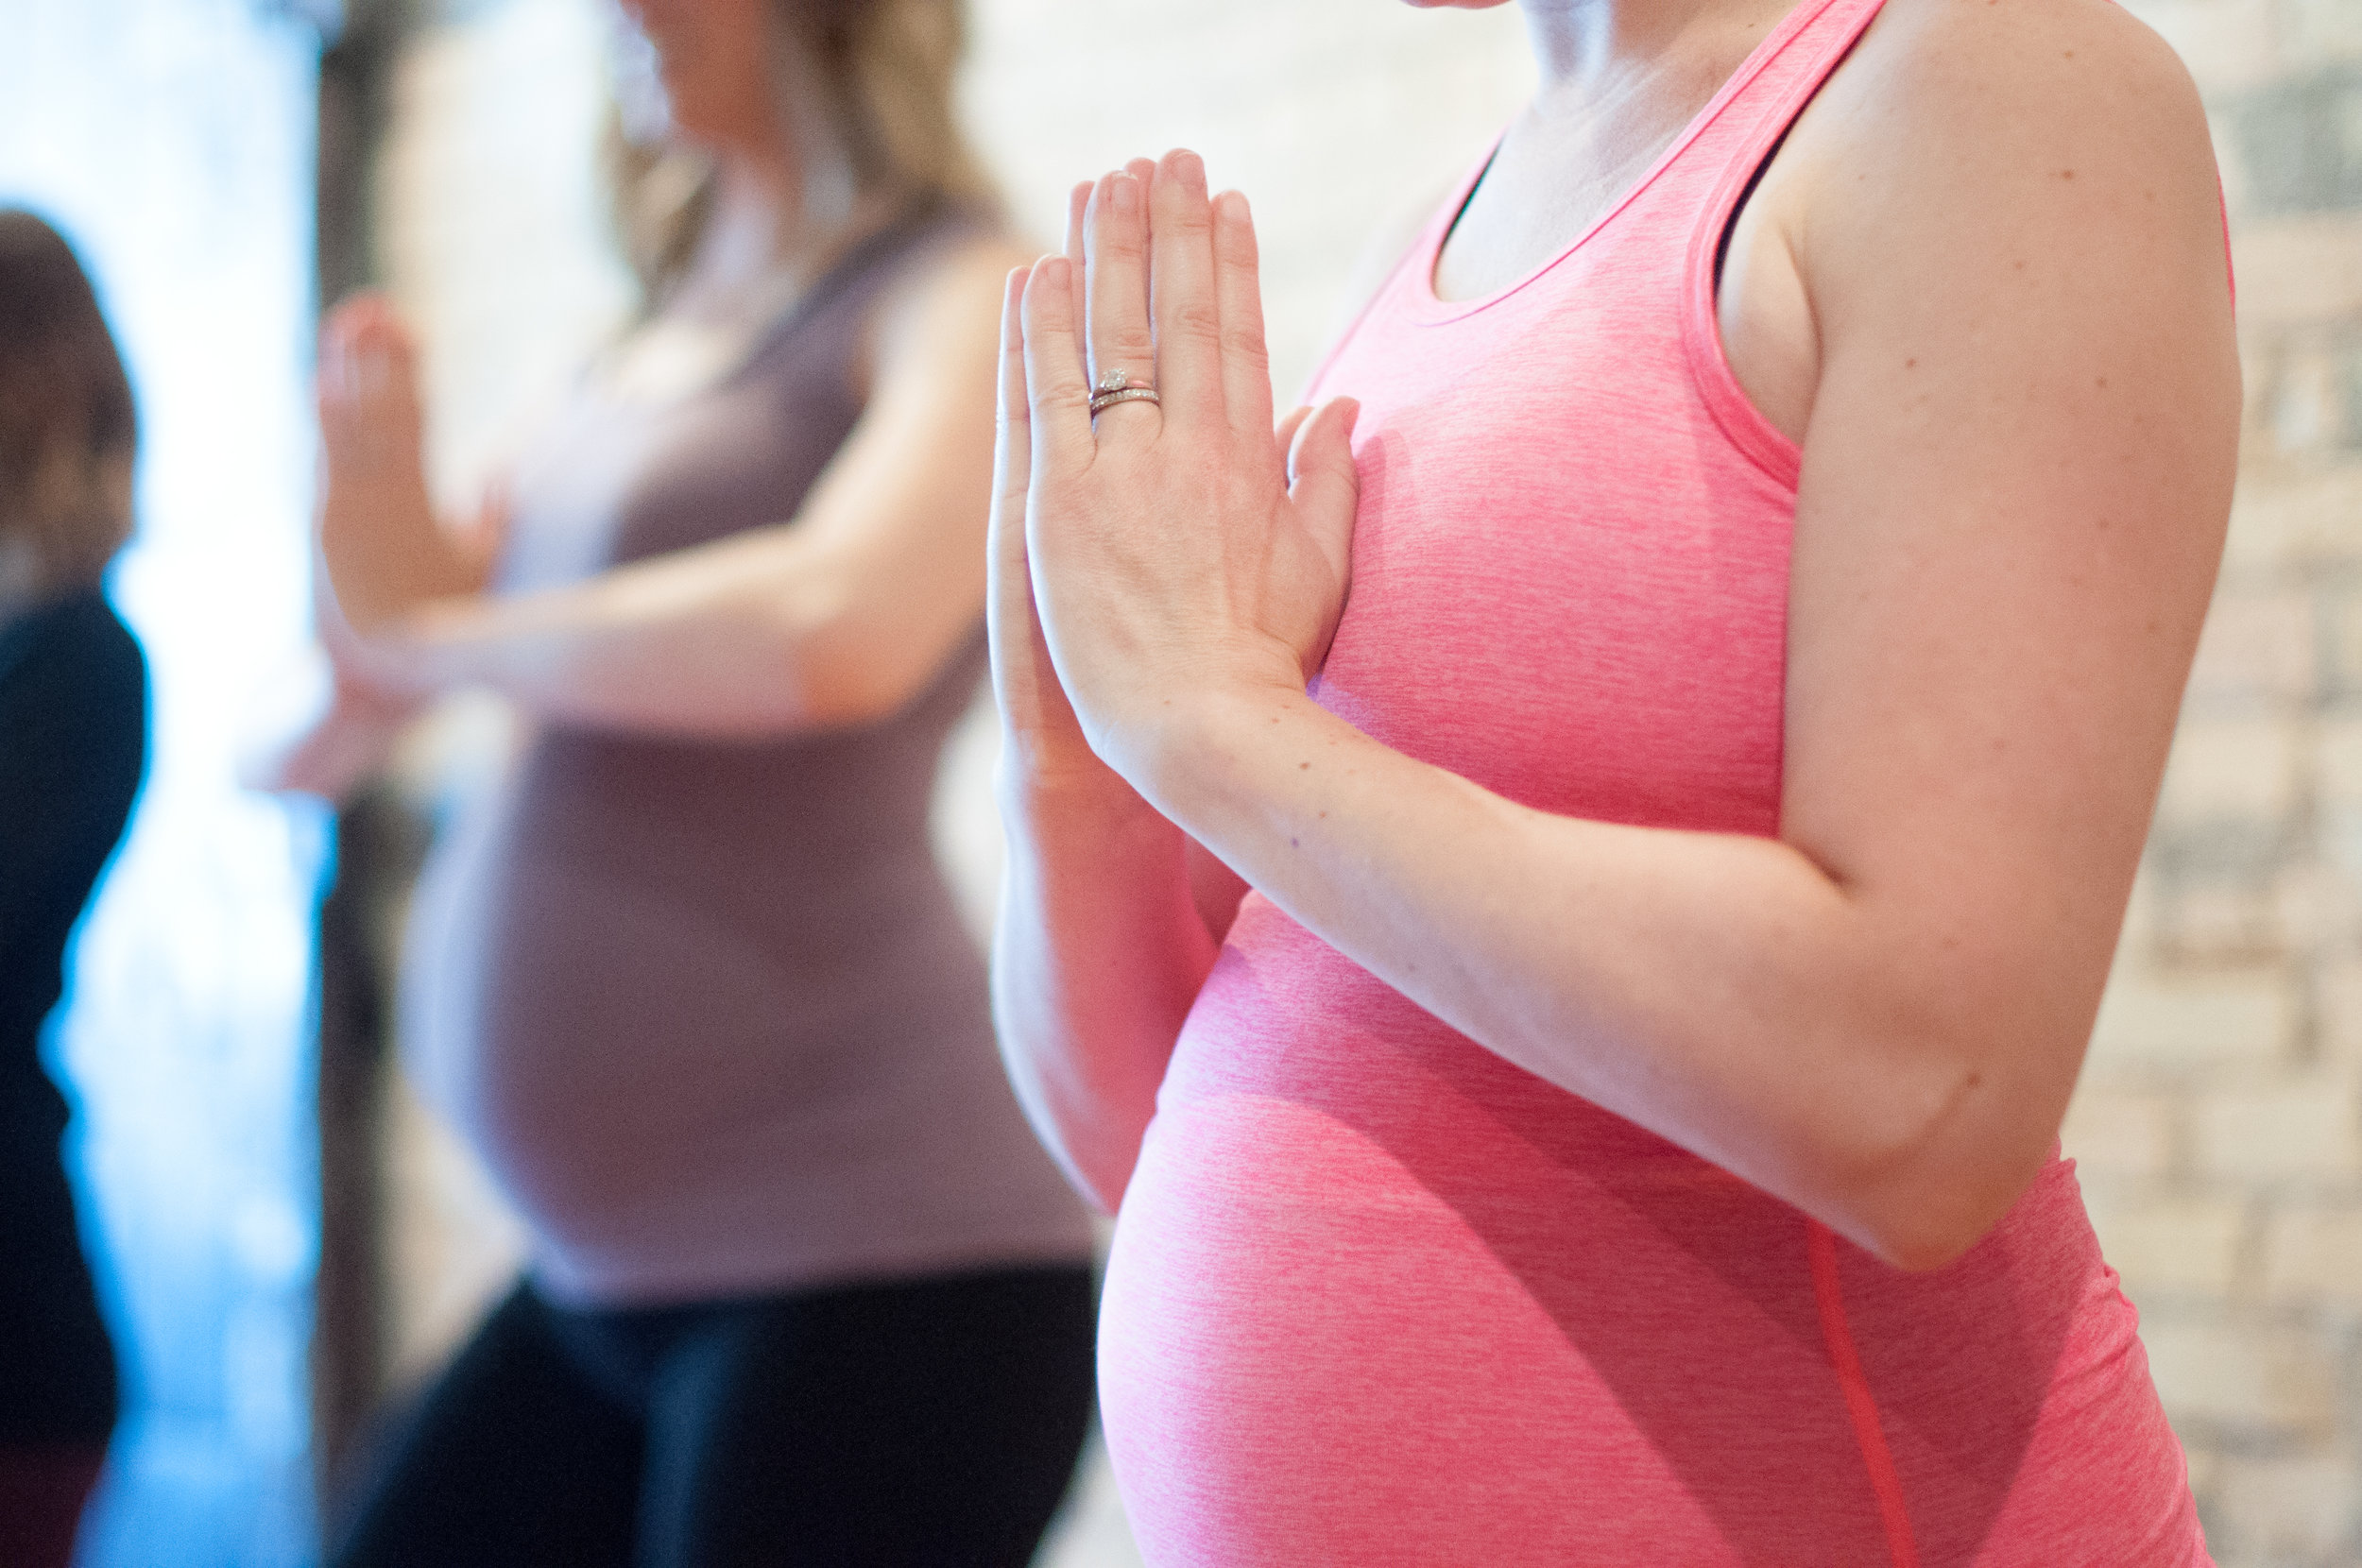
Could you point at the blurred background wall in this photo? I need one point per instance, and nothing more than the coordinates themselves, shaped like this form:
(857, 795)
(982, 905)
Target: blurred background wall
(2218, 1128)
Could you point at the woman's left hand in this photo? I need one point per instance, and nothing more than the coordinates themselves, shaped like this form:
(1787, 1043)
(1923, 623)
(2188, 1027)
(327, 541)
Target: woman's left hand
(385, 551)
(1181, 551)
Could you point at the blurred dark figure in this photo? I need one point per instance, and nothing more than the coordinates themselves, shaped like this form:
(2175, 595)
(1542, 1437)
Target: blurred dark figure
(72, 737)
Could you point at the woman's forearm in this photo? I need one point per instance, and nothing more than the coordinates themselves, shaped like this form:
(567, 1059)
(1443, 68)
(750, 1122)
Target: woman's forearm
(1098, 956)
(1720, 990)
(611, 653)
(844, 608)
(754, 635)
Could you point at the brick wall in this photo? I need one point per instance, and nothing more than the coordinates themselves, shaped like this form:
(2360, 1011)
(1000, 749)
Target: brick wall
(2217, 1127)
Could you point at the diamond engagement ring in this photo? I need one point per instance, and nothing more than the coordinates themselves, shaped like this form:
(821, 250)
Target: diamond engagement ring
(1116, 388)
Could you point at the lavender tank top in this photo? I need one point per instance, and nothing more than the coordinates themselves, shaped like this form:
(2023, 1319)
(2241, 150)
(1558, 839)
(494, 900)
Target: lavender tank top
(706, 1008)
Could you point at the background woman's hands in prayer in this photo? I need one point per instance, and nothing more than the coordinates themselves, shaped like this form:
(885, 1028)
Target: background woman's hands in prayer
(1179, 553)
(383, 556)
(386, 551)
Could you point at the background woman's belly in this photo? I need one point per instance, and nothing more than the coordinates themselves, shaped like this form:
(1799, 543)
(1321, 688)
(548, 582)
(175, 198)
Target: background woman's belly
(688, 1084)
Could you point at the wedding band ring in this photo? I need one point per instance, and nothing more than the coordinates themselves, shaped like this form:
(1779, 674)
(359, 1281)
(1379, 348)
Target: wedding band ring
(1124, 395)
(1116, 388)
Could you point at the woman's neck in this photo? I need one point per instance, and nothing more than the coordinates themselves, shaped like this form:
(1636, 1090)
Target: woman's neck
(781, 214)
(778, 223)
(1588, 48)
(1619, 78)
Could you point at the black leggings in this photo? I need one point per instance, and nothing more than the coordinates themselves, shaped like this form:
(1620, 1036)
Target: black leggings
(58, 1376)
(926, 1423)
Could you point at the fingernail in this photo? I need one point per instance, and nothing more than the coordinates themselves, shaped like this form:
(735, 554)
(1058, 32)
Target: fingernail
(1123, 194)
(1191, 170)
(1051, 271)
(1231, 206)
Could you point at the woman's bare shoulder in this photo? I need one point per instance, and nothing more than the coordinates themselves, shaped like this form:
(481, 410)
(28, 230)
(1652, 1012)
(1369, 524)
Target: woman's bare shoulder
(1977, 147)
(955, 270)
(1994, 83)
(949, 302)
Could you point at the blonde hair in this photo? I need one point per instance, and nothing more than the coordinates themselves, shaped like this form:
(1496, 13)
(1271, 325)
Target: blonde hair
(66, 416)
(885, 71)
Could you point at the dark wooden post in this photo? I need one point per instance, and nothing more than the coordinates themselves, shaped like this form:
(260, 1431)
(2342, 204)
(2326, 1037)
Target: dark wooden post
(374, 848)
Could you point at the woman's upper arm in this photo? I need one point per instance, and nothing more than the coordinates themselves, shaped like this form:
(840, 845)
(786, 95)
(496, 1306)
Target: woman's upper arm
(890, 544)
(2015, 479)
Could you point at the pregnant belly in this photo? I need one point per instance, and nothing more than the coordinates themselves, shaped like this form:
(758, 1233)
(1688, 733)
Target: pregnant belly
(1310, 1351)
(1371, 1301)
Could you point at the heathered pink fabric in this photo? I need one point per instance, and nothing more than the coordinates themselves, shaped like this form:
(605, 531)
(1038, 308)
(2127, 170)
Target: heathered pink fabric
(1379, 1298)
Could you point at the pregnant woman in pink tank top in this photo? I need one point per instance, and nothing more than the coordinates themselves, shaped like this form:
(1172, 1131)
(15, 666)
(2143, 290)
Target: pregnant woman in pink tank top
(1562, 897)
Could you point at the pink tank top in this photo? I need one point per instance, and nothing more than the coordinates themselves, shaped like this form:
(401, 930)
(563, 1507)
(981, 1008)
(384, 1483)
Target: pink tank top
(1380, 1298)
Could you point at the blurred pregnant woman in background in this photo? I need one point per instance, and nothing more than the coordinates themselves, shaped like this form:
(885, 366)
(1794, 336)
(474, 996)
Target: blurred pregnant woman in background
(802, 1287)
(72, 740)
